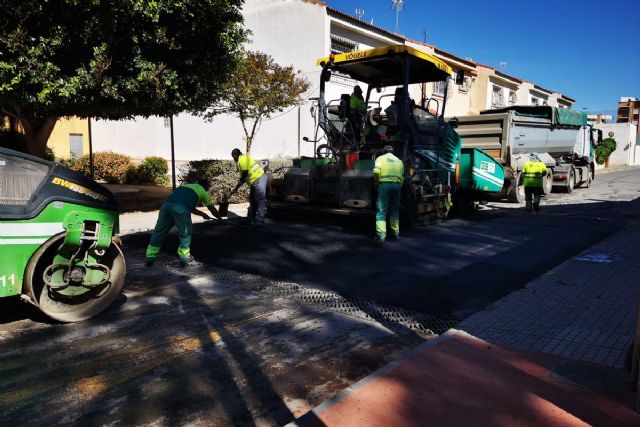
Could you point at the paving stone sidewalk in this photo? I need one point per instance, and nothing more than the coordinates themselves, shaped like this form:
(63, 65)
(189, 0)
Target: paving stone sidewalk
(584, 309)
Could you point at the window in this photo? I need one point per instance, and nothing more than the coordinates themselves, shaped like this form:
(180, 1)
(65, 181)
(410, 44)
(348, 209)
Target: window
(513, 97)
(342, 45)
(466, 85)
(19, 179)
(439, 87)
(497, 97)
(536, 101)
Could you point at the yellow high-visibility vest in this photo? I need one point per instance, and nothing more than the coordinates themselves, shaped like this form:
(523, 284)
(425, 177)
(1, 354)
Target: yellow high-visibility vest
(533, 172)
(389, 168)
(246, 163)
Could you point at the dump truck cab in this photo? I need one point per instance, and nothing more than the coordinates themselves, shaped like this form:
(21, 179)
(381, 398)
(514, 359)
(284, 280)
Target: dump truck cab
(339, 177)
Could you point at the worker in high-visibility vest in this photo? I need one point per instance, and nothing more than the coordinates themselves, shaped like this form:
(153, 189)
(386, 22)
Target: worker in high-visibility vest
(358, 109)
(177, 210)
(388, 174)
(533, 173)
(253, 175)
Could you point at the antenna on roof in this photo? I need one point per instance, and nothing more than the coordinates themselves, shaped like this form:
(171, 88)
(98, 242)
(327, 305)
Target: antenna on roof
(397, 5)
(424, 34)
(359, 14)
(502, 64)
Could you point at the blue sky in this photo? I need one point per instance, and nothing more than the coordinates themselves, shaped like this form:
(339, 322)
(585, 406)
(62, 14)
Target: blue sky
(588, 50)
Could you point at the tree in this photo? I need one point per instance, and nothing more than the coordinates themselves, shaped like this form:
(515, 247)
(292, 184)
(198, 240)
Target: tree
(113, 59)
(258, 88)
(604, 150)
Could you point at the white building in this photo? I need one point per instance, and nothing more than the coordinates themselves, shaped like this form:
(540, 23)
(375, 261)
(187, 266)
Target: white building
(297, 33)
(627, 151)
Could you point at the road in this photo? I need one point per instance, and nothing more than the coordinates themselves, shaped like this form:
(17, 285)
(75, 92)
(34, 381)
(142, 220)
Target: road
(269, 324)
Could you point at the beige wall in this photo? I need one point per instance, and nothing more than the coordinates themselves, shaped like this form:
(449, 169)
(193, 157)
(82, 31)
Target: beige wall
(65, 128)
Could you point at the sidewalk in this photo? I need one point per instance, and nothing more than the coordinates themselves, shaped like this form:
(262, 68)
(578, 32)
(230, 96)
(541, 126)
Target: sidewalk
(551, 354)
(136, 222)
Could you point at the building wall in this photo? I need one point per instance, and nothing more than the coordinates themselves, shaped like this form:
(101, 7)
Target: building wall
(293, 32)
(480, 90)
(626, 153)
(63, 132)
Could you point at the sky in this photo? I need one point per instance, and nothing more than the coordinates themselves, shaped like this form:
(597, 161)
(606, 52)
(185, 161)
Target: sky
(587, 50)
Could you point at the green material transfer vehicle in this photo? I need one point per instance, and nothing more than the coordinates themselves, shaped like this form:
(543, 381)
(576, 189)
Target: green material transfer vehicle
(339, 178)
(58, 245)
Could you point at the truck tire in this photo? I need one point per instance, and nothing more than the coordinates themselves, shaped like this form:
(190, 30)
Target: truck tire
(547, 184)
(516, 192)
(571, 181)
(77, 308)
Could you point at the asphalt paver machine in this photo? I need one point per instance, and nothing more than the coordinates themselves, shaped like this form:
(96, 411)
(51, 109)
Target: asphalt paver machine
(339, 177)
(58, 245)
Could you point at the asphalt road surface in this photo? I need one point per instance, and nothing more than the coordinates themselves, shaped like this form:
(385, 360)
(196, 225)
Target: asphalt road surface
(268, 324)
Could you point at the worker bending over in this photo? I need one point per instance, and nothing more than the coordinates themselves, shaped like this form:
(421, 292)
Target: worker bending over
(388, 173)
(177, 210)
(533, 173)
(253, 175)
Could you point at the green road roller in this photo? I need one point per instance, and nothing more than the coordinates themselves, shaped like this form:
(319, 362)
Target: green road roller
(59, 248)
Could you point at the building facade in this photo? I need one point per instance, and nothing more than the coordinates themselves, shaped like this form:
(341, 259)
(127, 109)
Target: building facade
(297, 32)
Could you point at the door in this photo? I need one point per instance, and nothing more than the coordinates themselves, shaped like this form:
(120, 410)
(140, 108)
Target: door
(75, 145)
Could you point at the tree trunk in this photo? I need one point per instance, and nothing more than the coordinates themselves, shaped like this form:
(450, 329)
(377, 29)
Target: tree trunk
(37, 133)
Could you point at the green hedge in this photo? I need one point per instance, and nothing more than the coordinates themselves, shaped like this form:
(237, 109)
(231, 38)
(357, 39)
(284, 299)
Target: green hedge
(152, 170)
(224, 176)
(604, 150)
(107, 166)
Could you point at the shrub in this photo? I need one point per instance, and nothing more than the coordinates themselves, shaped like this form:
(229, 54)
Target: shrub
(224, 176)
(107, 166)
(604, 150)
(152, 170)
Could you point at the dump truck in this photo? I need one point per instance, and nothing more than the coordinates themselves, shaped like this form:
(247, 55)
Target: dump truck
(561, 138)
(59, 248)
(339, 177)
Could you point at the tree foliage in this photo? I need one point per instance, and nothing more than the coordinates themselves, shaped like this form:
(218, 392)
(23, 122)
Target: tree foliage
(604, 150)
(258, 88)
(113, 59)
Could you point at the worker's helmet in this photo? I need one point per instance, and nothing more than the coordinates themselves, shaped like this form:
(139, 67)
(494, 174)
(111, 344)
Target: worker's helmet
(388, 149)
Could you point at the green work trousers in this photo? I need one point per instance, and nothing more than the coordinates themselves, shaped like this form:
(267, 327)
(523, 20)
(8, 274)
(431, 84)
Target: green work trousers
(388, 203)
(532, 193)
(172, 214)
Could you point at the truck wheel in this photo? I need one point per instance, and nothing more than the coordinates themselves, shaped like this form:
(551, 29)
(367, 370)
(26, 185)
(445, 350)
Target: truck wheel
(82, 306)
(547, 184)
(571, 181)
(516, 192)
(587, 183)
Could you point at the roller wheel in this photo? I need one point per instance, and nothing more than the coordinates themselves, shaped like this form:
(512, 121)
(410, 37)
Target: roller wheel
(80, 307)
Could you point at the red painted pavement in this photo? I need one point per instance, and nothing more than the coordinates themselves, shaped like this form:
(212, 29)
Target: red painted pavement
(464, 381)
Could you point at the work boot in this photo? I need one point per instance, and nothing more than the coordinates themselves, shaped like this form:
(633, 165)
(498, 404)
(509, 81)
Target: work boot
(393, 237)
(245, 221)
(185, 261)
(149, 262)
(378, 240)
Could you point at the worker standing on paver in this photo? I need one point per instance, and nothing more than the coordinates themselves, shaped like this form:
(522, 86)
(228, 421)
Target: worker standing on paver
(388, 173)
(177, 210)
(358, 109)
(533, 173)
(253, 175)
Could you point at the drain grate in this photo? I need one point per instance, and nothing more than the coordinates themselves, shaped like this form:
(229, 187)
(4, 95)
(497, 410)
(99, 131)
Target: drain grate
(391, 317)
